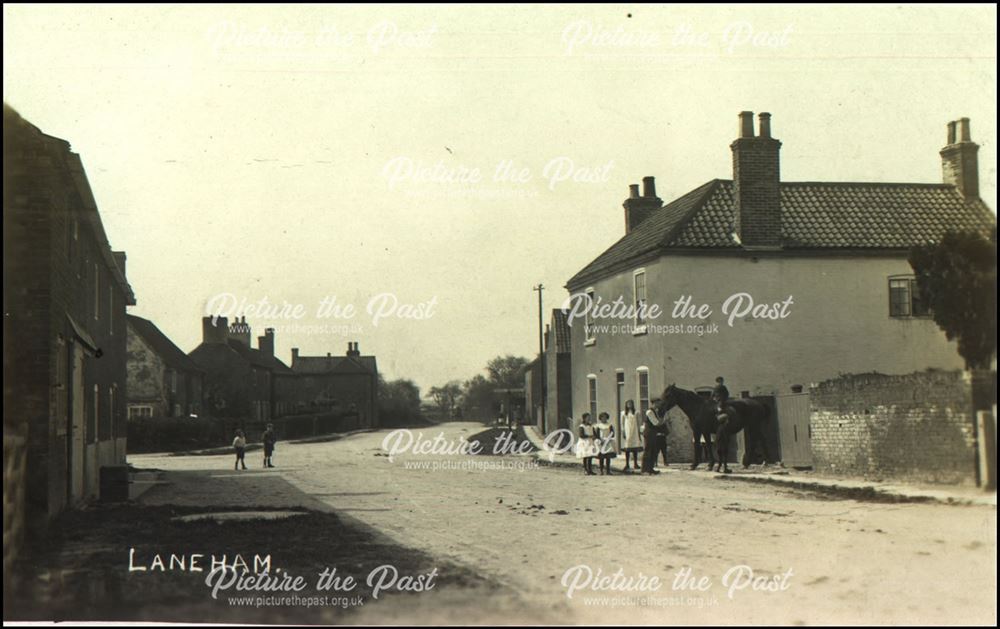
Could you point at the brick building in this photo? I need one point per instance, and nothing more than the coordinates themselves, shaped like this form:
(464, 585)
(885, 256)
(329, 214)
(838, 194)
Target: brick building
(347, 383)
(554, 391)
(65, 294)
(558, 373)
(162, 380)
(239, 380)
(837, 250)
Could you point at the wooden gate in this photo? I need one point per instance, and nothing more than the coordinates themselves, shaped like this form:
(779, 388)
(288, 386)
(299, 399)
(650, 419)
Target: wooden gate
(794, 430)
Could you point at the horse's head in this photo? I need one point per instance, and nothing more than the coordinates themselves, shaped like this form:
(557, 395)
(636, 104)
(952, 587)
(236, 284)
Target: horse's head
(668, 399)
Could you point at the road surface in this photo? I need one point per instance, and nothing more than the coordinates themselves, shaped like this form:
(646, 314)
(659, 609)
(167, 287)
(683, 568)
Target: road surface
(815, 560)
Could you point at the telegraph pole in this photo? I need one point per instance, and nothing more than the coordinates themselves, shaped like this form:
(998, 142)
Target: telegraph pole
(541, 352)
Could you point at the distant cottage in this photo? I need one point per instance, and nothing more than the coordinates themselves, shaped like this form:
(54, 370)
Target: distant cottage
(346, 384)
(162, 380)
(248, 383)
(839, 250)
(548, 380)
(239, 380)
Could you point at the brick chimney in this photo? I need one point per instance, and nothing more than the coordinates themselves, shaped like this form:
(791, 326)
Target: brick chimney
(120, 259)
(352, 349)
(266, 343)
(295, 356)
(240, 330)
(756, 184)
(960, 160)
(214, 329)
(639, 208)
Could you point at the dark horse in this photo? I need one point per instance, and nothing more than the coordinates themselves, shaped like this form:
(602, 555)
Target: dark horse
(702, 414)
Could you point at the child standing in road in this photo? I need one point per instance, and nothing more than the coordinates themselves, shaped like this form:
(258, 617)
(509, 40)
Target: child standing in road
(585, 444)
(268, 439)
(604, 434)
(240, 445)
(631, 440)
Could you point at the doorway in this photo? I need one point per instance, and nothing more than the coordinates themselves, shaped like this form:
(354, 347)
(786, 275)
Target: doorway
(619, 402)
(77, 422)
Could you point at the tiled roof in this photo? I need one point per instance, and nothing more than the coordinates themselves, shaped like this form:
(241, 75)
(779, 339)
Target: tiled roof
(560, 331)
(172, 355)
(649, 235)
(336, 364)
(815, 216)
(258, 358)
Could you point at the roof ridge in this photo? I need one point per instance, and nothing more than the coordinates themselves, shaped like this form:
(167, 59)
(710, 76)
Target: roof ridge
(869, 183)
(159, 342)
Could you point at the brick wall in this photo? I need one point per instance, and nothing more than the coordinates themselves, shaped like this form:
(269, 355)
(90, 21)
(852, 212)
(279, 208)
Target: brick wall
(917, 427)
(57, 264)
(227, 389)
(13, 501)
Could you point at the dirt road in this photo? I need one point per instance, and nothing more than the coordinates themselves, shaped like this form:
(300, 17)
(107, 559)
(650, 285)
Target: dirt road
(540, 529)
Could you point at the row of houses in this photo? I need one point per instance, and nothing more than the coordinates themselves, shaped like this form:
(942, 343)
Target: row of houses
(225, 376)
(78, 368)
(836, 252)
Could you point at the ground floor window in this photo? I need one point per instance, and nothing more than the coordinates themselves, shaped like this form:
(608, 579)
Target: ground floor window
(140, 412)
(642, 380)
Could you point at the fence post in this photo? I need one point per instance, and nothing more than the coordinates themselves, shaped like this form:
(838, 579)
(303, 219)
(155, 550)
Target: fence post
(986, 435)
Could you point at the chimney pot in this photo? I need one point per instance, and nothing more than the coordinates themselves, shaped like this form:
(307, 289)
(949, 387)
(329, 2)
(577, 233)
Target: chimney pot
(746, 124)
(639, 208)
(964, 131)
(960, 161)
(765, 125)
(649, 187)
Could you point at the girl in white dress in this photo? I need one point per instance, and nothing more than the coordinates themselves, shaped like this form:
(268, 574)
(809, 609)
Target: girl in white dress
(585, 447)
(607, 444)
(631, 439)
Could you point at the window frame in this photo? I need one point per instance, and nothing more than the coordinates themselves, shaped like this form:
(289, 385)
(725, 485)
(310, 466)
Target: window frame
(145, 411)
(97, 413)
(592, 395)
(97, 293)
(907, 286)
(589, 338)
(638, 322)
(643, 404)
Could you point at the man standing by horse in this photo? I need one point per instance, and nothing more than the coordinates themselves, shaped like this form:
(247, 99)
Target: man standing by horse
(655, 423)
(720, 395)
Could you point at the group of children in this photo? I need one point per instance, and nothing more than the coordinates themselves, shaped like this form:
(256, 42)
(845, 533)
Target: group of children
(240, 445)
(600, 441)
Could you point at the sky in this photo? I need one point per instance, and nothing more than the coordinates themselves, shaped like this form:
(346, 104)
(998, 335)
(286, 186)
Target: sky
(403, 176)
